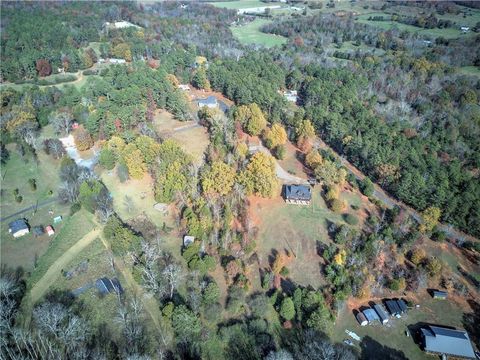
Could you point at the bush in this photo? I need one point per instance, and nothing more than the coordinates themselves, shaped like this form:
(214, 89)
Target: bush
(337, 205)
(280, 152)
(74, 208)
(33, 184)
(284, 272)
(107, 158)
(287, 309)
(90, 72)
(332, 193)
(397, 284)
(439, 236)
(19, 198)
(366, 186)
(350, 219)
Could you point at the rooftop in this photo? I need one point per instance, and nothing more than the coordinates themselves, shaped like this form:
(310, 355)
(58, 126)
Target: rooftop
(211, 100)
(18, 225)
(447, 341)
(298, 192)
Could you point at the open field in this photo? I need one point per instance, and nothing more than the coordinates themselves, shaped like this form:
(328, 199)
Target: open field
(250, 34)
(291, 163)
(297, 228)
(392, 335)
(191, 137)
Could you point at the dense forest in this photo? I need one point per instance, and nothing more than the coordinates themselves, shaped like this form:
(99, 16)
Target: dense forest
(407, 119)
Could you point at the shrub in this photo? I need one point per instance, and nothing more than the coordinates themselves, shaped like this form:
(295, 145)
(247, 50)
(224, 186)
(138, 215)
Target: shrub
(350, 219)
(287, 309)
(332, 193)
(284, 272)
(434, 266)
(33, 184)
(337, 205)
(397, 284)
(417, 256)
(280, 152)
(439, 236)
(366, 186)
(74, 208)
(19, 198)
(107, 158)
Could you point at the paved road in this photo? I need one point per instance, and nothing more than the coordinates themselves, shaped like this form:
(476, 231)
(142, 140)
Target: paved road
(38, 206)
(390, 201)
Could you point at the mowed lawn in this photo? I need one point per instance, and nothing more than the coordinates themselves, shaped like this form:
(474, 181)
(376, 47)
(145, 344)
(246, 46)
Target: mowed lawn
(383, 342)
(192, 138)
(241, 4)
(24, 252)
(296, 228)
(250, 34)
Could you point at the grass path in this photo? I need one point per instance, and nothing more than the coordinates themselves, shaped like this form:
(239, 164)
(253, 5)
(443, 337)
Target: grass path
(54, 271)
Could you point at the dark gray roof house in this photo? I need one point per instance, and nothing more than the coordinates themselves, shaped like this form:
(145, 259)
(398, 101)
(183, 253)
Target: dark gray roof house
(381, 313)
(393, 308)
(210, 102)
(38, 230)
(298, 194)
(450, 342)
(18, 228)
(106, 286)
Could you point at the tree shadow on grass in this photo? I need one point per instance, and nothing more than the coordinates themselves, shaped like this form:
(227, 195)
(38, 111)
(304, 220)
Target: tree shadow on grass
(373, 350)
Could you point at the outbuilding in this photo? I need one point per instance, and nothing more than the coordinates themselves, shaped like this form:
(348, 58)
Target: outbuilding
(393, 308)
(362, 320)
(447, 342)
(18, 228)
(402, 305)
(49, 230)
(106, 286)
(187, 240)
(371, 315)
(57, 219)
(437, 294)
(38, 230)
(381, 313)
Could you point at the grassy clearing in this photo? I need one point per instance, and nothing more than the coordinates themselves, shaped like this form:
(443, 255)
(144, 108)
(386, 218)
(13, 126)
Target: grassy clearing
(291, 163)
(194, 140)
(393, 335)
(73, 229)
(250, 34)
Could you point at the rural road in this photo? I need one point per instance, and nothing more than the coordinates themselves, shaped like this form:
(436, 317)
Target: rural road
(282, 174)
(38, 206)
(390, 202)
(54, 271)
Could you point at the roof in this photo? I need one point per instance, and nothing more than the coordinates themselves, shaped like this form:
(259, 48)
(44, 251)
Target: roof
(402, 305)
(447, 341)
(441, 294)
(298, 192)
(38, 230)
(371, 315)
(393, 307)
(105, 285)
(211, 100)
(361, 318)
(17, 225)
(381, 313)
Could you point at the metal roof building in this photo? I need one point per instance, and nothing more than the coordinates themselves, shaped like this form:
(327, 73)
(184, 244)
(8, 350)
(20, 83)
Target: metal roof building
(443, 341)
(402, 305)
(393, 308)
(362, 320)
(371, 315)
(437, 294)
(298, 194)
(381, 313)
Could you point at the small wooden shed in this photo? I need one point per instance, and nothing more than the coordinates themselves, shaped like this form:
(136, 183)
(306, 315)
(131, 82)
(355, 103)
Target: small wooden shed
(362, 320)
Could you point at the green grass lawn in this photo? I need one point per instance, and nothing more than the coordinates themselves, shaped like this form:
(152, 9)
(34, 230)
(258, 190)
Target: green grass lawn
(72, 230)
(392, 335)
(250, 34)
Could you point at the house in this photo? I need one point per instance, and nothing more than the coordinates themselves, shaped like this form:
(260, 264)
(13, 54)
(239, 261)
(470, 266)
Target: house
(106, 286)
(437, 294)
(117, 61)
(38, 230)
(371, 315)
(210, 102)
(464, 29)
(257, 10)
(187, 240)
(381, 313)
(291, 95)
(18, 228)
(393, 308)
(120, 25)
(297, 194)
(49, 230)
(184, 87)
(362, 320)
(447, 342)
(184, 6)
(57, 219)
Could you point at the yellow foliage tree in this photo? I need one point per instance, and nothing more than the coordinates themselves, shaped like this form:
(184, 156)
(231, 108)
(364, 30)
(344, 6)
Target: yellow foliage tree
(123, 51)
(430, 218)
(259, 177)
(116, 144)
(252, 118)
(275, 136)
(340, 258)
(313, 159)
(219, 179)
(173, 80)
(242, 150)
(418, 256)
(133, 160)
(148, 147)
(304, 130)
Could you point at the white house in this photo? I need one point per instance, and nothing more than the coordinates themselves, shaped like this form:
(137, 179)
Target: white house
(464, 29)
(210, 102)
(291, 95)
(184, 87)
(117, 61)
(120, 25)
(257, 10)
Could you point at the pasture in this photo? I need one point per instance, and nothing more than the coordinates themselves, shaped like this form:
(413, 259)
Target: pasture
(250, 34)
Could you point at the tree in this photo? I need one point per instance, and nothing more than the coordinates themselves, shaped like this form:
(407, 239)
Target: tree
(434, 266)
(149, 148)
(330, 174)
(279, 355)
(83, 140)
(55, 148)
(252, 118)
(313, 159)
(173, 274)
(123, 51)
(200, 80)
(133, 159)
(366, 186)
(305, 133)
(219, 179)
(186, 325)
(211, 294)
(275, 136)
(417, 256)
(107, 158)
(287, 309)
(61, 121)
(259, 177)
(430, 219)
(43, 67)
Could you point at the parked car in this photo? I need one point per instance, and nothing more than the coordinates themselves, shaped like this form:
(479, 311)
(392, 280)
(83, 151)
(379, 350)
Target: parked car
(348, 342)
